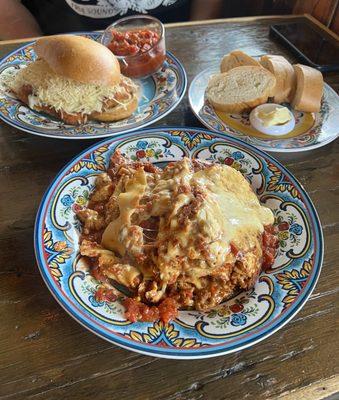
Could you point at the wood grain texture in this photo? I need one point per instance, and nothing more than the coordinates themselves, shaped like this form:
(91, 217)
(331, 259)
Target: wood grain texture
(335, 21)
(187, 23)
(325, 29)
(328, 388)
(322, 10)
(45, 354)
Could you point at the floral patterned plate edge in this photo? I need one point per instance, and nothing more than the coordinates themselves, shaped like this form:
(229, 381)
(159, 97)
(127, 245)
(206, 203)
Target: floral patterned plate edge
(236, 324)
(160, 94)
(312, 130)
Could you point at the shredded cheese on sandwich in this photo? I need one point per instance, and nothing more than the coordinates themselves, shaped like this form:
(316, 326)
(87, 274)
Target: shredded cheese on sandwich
(67, 95)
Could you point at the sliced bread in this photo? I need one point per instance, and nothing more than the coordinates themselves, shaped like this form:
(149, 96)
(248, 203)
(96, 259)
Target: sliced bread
(235, 59)
(284, 75)
(240, 89)
(309, 89)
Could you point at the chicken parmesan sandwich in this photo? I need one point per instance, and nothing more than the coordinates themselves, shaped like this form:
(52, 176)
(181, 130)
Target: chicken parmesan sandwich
(75, 79)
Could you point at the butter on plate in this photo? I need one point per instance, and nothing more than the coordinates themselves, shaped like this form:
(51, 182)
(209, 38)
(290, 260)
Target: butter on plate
(272, 119)
(278, 116)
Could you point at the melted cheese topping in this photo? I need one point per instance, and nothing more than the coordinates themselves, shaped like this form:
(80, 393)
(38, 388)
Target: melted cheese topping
(125, 274)
(64, 94)
(228, 212)
(115, 233)
(231, 210)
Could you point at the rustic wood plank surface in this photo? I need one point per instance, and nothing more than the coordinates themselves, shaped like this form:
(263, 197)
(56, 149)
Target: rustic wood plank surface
(45, 354)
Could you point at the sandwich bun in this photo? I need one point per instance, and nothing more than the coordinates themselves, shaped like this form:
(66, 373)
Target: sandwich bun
(79, 58)
(118, 112)
(76, 80)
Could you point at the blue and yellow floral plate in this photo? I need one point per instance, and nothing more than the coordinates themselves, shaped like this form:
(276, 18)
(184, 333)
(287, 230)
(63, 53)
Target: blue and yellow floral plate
(160, 94)
(236, 324)
(311, 130)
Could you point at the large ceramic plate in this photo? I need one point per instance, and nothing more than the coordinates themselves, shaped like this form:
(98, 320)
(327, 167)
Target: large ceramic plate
(238, 323)
(312, 130)
(160, 94)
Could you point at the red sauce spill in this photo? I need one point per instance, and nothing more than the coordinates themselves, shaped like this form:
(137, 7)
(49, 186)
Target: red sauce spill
(96, 273)
(168, 310)
(270, 245)
(105, 294)
(137, 311)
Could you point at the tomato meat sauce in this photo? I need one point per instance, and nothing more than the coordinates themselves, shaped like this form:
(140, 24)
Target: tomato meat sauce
(270, 244)
(130, 43)
(103, 294)
(167, 310)
(141, 52)
(137, 311)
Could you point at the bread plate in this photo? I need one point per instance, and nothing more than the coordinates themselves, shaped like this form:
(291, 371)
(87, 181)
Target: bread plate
(240, 322)
(312, 130)
(160, 94)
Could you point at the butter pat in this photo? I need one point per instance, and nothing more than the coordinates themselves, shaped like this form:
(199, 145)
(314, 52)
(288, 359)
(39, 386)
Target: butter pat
(278, 116)
(272, 119)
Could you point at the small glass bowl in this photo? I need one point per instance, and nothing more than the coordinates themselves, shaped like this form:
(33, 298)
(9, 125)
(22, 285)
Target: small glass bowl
(144, 63)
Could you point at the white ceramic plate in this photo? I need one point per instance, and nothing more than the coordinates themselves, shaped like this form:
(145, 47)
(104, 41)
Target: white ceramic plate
(311, 130)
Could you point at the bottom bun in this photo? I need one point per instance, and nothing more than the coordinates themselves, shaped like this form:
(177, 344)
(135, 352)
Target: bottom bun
(116, 113)
(70, 119)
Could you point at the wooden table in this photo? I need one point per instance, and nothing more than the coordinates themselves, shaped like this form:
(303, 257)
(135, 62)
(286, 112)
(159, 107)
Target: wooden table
(45, 354)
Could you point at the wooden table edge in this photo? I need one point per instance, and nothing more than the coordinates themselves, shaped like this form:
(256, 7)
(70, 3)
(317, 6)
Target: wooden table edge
(315, 391)
(213, 22)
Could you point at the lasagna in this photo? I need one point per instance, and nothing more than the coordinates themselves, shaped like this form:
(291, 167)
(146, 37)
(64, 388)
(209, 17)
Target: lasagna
(188, 236)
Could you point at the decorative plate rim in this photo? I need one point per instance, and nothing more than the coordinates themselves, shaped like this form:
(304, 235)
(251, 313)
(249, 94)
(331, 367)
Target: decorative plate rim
(148, 349)
(266, 149)
(108, 134)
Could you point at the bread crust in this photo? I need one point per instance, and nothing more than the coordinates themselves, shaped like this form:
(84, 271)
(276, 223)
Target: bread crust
(309, 91)
(236, 58)
(79, 58)
(238, 108)
(118, 112)
(285, 77)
